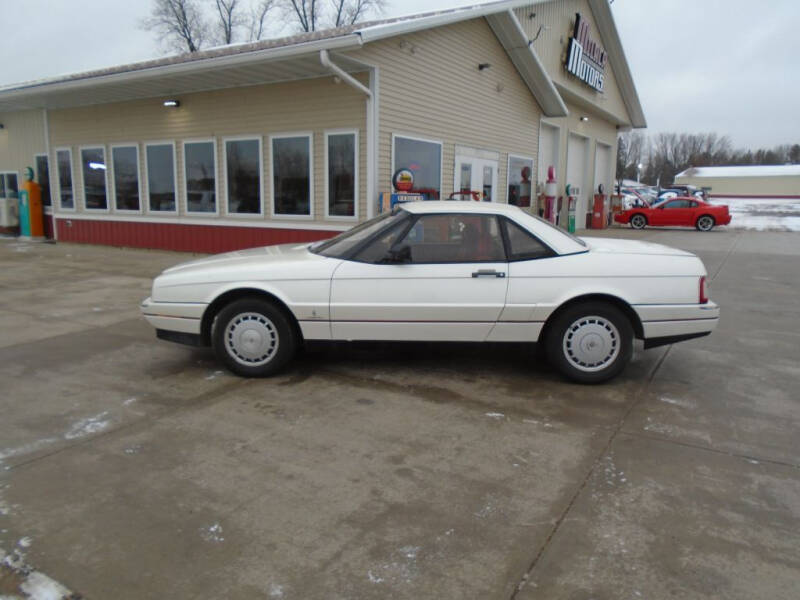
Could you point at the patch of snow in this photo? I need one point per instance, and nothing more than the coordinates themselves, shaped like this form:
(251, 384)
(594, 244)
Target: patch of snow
(212, 533)
(374, 578)
(213, 375)
(677, 402)
(275, 590)
(88, 426)
(762, 214)
(130, 401)
(25, 542)
(25, 448)
(495, 415)
(39, 586)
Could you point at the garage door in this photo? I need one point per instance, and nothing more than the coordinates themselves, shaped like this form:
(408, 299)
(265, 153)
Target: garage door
(602, 168)
(577, 151)
(548, 152)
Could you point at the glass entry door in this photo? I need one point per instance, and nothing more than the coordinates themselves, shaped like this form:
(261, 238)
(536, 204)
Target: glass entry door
(475, 179)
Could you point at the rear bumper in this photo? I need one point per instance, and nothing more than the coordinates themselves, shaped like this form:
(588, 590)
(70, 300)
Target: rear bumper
(676, 322)
(173, 316)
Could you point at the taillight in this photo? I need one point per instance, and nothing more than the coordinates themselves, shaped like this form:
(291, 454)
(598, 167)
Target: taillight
(703, 294)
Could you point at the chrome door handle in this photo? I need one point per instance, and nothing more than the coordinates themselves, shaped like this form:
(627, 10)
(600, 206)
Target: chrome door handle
(488, 273)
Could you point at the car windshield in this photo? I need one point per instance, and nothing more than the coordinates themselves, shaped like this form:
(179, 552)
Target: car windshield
(342, 244)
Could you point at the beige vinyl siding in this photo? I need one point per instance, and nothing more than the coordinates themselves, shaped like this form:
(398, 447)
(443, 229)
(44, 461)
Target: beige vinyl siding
(551, 48)
(430, 87)
(21, 138)
(308, 106)
(744, 186)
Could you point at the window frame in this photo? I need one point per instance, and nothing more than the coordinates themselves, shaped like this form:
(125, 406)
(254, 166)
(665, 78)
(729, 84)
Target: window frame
(281, 136)
(533, 174)
(198, 213)
(261, 171)
(36, 156)
(147, 209)
(61, 207)
(15, 174)
(418, 138)
(356, 174)
(107, 209)
(114, 179)
(507, 242)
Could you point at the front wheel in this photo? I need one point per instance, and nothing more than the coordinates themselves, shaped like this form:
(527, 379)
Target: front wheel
(638, 221)
(590, 342)
(705, 223)
(253, 337)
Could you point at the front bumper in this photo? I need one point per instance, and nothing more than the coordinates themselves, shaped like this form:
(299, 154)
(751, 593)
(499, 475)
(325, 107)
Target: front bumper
(174, 316)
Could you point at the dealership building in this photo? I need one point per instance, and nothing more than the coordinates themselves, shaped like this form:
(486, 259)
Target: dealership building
(296, 139)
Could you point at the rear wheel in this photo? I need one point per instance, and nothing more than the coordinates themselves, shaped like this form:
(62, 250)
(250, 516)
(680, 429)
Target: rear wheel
(705, 223)
(253, 337)
(590, 342)
(638, 221)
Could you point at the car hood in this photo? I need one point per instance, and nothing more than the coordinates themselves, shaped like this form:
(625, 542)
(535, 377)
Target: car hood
(615, 246)
(284, 253)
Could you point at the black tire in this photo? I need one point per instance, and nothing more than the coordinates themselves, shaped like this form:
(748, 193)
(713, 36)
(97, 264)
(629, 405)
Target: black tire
(253, 337)
(705, 223)
(638, 221)
(573, 337)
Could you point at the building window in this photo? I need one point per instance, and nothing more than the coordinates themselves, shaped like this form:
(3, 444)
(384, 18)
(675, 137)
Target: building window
(243, 176)
(93, 170)
(200, 176)
(341, 174)
(291, 175)
(64, 165)
(160, 166)
(125, 166)
(520, 172)
(424, 159)
(43, 177)
(8, 185)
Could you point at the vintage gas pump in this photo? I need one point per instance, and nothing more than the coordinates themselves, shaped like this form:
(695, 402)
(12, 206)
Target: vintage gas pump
(600, 209)
(572, 203)
(31, 216)
(550, 195)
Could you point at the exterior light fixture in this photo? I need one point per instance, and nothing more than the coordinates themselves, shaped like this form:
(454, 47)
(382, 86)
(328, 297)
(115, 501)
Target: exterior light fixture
(483, 66)
(2, 126)
(172, 103)
(584, 119)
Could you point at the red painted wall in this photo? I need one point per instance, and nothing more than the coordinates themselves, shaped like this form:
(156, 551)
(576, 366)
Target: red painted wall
(180, 237)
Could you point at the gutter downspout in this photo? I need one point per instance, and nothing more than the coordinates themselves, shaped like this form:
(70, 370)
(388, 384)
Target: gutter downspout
(372, 192)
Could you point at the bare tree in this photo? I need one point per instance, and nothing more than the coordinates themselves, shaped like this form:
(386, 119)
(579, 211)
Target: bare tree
(179, 22)
(347, 12)
(258, 18)
(306, 13)
(227, 10)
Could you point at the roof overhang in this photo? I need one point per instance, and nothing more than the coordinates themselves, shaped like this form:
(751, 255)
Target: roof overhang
(601, 10)
(285, 63)
(512, 36)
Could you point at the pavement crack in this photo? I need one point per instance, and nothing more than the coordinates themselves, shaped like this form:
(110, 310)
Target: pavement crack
(727, 256)
(597, 461)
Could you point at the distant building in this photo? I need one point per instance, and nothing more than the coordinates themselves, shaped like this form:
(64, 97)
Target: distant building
(760, 181)
(295, 139)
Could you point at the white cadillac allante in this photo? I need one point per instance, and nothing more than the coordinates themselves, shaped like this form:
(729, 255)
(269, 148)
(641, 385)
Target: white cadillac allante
(439, 271)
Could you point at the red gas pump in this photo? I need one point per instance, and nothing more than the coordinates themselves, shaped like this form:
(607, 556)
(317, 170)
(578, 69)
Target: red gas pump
(600, 209)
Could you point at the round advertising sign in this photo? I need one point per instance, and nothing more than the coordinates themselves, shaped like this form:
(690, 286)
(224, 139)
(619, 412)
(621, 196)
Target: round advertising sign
(403, 180)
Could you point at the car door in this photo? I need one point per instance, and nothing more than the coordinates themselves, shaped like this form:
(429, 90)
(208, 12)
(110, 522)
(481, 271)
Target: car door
(443, 278)
(668, 213)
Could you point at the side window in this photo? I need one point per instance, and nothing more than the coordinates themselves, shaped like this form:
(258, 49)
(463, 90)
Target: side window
(674, 204)
(454, 238)
(377, 251)
(522, 245)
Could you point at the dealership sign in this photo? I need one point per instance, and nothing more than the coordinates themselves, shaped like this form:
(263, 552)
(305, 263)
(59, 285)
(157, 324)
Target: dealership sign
(586, 59)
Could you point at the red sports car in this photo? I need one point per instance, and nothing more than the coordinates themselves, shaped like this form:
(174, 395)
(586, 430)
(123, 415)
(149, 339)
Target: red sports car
(682, 211)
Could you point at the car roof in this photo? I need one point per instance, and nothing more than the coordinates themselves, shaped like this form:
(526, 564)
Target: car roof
(457, 206)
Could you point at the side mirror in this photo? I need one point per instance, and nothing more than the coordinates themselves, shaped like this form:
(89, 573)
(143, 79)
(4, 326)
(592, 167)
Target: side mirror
(399, 255)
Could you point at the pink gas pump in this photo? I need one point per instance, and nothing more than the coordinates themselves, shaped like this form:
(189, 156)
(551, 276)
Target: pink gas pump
(550, 195)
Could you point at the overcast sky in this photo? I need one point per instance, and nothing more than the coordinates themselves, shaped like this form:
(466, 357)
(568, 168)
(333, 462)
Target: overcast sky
(729, 66)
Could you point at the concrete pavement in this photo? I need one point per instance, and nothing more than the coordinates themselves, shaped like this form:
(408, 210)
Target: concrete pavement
(134, 468)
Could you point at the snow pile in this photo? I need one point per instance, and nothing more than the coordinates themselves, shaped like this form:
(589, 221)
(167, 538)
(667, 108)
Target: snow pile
(762, 214)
